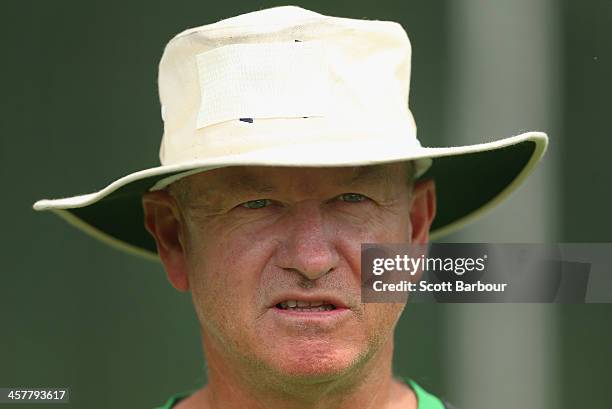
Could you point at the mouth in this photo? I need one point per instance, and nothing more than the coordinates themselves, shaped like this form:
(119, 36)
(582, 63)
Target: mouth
(300, 312)
(306, 306)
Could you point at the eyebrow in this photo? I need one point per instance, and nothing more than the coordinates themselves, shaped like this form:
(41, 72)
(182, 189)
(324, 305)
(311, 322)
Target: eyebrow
(250, 183)
(208, 199)
(368, 175)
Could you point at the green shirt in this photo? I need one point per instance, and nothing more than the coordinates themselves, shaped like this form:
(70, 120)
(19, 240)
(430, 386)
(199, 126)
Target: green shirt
(425, 399)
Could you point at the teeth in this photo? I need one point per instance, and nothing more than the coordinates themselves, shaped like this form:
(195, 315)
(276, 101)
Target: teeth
(306, 306)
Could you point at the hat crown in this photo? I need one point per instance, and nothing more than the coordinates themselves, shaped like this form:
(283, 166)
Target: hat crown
(292, 75)
(272, 18)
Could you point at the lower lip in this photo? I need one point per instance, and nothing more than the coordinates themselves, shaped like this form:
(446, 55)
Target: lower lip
(312, 316)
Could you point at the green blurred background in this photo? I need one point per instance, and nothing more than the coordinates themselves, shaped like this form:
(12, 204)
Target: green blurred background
(80, 109)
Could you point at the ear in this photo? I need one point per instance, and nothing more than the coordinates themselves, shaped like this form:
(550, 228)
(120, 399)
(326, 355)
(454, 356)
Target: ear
(163, 220)
(423, 210)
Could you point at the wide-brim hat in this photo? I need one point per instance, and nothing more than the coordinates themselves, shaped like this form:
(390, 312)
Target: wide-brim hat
(290, 87)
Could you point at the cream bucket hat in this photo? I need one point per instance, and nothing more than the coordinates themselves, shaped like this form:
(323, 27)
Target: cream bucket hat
(290, 87)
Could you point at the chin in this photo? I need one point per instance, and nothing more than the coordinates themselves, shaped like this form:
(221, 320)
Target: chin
(315, 360)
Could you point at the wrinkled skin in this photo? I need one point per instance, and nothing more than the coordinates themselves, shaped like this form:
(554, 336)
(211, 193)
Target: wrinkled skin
(242, 239)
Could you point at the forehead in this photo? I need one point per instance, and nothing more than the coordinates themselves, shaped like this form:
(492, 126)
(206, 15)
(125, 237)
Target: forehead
(266, 178)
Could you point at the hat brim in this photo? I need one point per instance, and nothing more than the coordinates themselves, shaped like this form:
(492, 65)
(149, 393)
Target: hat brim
(469, 180)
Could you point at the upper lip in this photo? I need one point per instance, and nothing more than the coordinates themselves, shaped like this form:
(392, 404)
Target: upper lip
(326, 298)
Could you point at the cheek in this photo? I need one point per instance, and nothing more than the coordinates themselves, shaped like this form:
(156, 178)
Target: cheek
(381, 319)
(390, 223)
(380, 228)
(225, 273)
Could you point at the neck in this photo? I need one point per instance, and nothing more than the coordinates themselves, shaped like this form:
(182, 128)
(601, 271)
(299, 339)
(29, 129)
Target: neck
(232, 383)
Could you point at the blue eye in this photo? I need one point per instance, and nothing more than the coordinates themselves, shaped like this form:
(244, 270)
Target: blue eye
(352, 197)
(256, 204)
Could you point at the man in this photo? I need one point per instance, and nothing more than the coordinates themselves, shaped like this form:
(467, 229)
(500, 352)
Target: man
(287, 143)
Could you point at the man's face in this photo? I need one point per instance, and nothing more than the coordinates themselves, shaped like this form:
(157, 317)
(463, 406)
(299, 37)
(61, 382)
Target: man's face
(273, 261)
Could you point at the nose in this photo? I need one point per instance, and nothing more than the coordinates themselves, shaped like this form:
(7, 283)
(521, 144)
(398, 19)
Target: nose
(308, 242)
